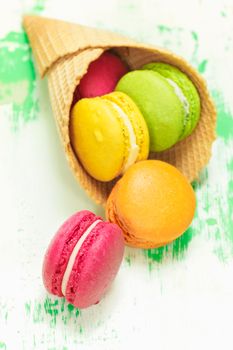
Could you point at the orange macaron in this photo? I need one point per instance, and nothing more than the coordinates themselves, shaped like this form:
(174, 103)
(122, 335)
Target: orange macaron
(153, 203)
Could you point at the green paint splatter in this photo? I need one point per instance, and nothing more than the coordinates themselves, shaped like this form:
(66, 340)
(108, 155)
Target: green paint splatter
(39, 6)
(230, 165)
(162, 28)
(128, 259)
(202, 66)
(194, 58)
(17, 78)
(211, 221)
(224, 117)
(157, 254)
(73, 310)
(176, 249)
(52, 310)
(195, 36)
(180, 245)
(17, 74)
(220, 253)
(3, 345)
(28, 308)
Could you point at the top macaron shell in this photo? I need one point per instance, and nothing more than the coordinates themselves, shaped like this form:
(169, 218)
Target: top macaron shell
(60, 248)
(160, 106)
(153, 203)
(102, 75)
(188, 89)
(96, 263)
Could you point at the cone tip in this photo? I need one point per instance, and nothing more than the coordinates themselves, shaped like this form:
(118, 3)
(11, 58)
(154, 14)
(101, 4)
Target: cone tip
(27, 18)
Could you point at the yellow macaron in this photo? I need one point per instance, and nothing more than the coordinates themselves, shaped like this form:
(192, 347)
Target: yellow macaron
(108, 134)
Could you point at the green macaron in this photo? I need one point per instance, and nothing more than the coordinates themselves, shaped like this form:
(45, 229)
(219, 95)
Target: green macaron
(159, 104)
(185, 90)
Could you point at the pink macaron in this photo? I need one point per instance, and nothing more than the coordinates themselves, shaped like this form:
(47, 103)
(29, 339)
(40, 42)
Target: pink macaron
(102, 76)
(83, 259)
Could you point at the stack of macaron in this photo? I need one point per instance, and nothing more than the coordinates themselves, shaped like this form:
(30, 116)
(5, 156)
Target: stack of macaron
(119, 116)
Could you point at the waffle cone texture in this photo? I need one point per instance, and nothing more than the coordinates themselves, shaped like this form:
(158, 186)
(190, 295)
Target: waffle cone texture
(63, 52)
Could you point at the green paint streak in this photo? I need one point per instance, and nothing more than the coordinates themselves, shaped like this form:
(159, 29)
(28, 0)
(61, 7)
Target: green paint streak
(73, 310)
(2, 345)
(221, 254)
(52, 310)
(180, 245)
(39, 6)
(70, 307)
(157, 254)
(202, 66)
(28, 308)
(162, 28)
(37, 313)
(128, 259)
(224, 117)
(176, 249)
(211, 221)
(230, 165)
(195, 36)
(219, 222)
(195, 59)
(17, 78)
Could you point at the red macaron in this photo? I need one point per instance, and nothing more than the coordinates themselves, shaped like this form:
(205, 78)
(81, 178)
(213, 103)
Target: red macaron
(83, 259)
(102, 76)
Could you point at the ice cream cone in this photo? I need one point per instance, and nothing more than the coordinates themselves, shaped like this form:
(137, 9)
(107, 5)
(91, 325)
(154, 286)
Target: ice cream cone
(63, 52)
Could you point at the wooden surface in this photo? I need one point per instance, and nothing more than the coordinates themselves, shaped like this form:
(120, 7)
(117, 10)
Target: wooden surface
(175, 297)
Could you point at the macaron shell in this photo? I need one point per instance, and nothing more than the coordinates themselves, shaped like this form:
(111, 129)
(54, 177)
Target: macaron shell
(99, 137)
(153, 204)
(60, 248)
(129, 238)
(102, 76)
(161, 108)
(188, 88)
(137, 121)
(96, 265)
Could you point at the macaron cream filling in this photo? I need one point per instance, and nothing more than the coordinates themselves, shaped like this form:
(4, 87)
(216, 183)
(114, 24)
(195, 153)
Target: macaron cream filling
(134, 148)
(179, 93)
(74, 254)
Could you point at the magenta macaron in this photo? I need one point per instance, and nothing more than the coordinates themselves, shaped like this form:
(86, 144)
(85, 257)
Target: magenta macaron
(83, 259)
(102, 76)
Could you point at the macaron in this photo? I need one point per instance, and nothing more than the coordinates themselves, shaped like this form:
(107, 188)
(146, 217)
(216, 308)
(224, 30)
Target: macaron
(153, 204)
(108, 134)
(159, 105)
(184, 89)
(102, 76)
(83, 259)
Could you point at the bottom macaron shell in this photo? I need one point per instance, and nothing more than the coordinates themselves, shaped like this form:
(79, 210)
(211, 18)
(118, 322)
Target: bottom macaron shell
(96, 265)
(60, 248)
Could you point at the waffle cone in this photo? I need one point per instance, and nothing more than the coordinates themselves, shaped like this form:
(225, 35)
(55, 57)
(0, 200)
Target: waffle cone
(63, 52)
